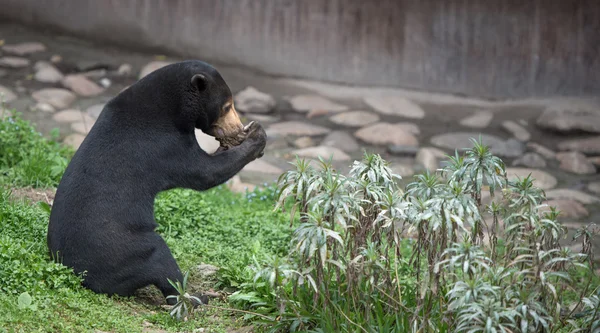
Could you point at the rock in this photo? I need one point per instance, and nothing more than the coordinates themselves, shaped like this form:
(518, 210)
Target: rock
(542, 150)
(252, 100)
(595, 160)
(575, 162)
(403, 170)
(318, 113)
(306, 103)
(594, 187)
(565, 193)
(25, 48)
(55, 59)
(480, 119)
(236, 185)
(462, 140)
(568, 208)
(82, 86)
(304, 142)
(569, 120)
(47, 73)
(3, 72)
(410, 127)
(429, 158)
(355, 118)
(58, 98)
(125, 70)
(82, 127)
(341, 140)
(14, 62)
(71, 116)
(386, 134)
(105, 82)
(541, 179)
(297, 128)
(44, 107)
(152, 66)
(261, 118)
(207, 271)
(396, 106)
(518, 131)
(6, 95)
(586, 146)
(530, 160)
(74, 140)
(324, 152)
(402, 150)
(208, 143)
(262, 166)
(95, 110)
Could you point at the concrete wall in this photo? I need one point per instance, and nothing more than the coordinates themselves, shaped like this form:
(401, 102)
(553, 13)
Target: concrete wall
(492, 48)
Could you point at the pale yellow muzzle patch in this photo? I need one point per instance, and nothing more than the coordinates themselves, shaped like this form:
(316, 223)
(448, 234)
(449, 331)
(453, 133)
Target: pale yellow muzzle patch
(229, 125)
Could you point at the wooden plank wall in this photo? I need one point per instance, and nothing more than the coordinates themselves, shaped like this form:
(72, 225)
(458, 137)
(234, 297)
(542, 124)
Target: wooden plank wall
(486, 48)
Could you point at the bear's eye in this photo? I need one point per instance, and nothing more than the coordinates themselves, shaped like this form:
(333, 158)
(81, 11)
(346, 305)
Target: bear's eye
(226, 108)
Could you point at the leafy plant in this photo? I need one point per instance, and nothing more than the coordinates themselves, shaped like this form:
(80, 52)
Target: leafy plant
(184, 301)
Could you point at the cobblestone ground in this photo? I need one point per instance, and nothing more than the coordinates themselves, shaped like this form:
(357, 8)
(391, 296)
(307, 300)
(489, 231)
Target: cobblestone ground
(63, 82)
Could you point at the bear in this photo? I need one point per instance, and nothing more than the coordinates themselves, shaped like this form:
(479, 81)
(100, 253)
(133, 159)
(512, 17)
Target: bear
(143, 142)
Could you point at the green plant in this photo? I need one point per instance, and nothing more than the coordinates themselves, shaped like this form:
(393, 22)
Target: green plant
(184, 301)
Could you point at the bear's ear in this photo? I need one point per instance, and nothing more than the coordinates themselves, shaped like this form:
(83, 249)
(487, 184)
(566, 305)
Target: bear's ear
(199, 81)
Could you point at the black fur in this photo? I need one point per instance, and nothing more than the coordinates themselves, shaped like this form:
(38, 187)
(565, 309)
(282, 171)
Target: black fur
(143, 142)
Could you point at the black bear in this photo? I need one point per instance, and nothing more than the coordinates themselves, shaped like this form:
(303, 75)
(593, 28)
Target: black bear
(102, 219)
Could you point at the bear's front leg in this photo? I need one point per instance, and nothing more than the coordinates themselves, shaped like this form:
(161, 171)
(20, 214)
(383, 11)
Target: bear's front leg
(207, 171)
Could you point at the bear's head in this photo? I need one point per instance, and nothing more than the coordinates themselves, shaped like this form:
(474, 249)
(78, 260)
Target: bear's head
(212, 102)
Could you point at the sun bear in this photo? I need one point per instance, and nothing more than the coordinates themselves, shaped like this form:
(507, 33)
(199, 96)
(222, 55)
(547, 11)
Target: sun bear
(102, 219)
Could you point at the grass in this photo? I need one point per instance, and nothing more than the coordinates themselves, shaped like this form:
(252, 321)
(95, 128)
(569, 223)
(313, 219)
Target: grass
(348, 253)
(216, 227)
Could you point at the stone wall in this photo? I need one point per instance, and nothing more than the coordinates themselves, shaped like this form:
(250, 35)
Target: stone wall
(495, 48)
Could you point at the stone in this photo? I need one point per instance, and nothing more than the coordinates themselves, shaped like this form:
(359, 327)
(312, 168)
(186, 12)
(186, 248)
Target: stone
(530, 160)
(47, 73)
(207, 271)
(82, 86)
(595, 160)
(395, 106)
(462, 140)
(403, 170)
(3, 72)
(542, 150)
(306, 103)
(568, 208)
(262, 166)
(236, 185)
(297, 128)
(565, 193)
(95, 110)
(57, 97)
(354, 118)
(208, 143)
(261, 117)
(480, 119)
(82, 126)
(74, 140)
(125, 70)
(304, 142)
(402, 150)
(541, 179)
(594, 187)
(341, 140)
(71, 116)
(518, 131)
(324, 152)
(6, 95)
(252, 100)
(152, 66)
(14, 62)
(386, 134)
(410, 127)
(586, 146)
(569, 120)
(575, 162)
(105, 82)
(55, 59)
(44, 107)
(429, 158)
(318, 113)
(25, 48)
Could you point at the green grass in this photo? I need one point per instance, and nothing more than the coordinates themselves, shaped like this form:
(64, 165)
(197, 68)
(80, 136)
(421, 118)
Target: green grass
(216, 227)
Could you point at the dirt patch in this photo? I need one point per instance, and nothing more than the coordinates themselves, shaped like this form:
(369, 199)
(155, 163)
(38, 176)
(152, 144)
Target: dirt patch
(34, 195)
